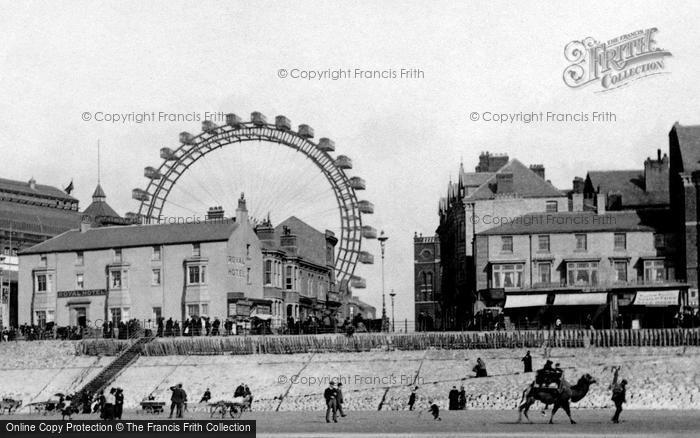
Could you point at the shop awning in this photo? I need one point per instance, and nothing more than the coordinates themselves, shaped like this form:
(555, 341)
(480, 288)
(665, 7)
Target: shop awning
(581, 299)
(659, 298)
(537, 300)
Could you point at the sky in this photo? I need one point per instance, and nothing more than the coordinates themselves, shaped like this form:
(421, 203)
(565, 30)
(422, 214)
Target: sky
(406, 136)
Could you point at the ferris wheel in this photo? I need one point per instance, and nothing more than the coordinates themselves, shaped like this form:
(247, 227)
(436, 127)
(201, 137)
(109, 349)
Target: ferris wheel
(179, 161)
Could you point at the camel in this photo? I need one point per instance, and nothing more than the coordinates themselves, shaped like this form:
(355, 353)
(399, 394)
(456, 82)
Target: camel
(560, 398)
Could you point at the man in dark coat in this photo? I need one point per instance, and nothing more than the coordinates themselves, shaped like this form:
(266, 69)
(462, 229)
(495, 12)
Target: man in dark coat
(454, 399)
(177, 400)
(619, 397)
(527, 362)
(412, 399)
(118, 403)
(340, 399)
(331, 397)
(462, 399)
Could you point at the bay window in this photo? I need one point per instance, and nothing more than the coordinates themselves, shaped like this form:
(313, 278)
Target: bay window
(654, 271)
(507, 275)
(582, 273)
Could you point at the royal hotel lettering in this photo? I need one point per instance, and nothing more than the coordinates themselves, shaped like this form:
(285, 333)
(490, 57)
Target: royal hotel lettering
(80, 293)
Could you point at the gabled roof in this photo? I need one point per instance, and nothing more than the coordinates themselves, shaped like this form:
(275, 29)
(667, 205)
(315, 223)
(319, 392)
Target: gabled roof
(628, 183)
(584, 221)
(689, 142)
(135, 235)
(475, 179)
(42, 190)
(526, 183)
(311, 243)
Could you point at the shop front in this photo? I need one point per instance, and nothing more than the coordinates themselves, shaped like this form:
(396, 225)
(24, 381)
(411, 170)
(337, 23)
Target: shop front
(651, 309)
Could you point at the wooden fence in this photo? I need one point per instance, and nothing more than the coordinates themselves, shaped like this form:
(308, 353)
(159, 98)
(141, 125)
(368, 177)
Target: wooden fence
(289, 344)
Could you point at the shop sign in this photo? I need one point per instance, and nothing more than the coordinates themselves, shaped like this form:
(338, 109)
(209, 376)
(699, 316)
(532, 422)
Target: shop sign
(80, 293)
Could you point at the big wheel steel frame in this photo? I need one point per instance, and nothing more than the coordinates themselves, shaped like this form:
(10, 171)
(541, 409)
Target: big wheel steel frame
(194, 147)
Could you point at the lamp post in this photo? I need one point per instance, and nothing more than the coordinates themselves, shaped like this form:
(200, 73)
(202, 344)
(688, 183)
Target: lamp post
(393, 319)
(382, 243)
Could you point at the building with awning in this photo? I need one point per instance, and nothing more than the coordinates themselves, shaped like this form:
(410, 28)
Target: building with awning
(587, 268)
(515, 301)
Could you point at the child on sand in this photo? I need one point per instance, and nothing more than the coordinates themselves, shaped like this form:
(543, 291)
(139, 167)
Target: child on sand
(435, 410)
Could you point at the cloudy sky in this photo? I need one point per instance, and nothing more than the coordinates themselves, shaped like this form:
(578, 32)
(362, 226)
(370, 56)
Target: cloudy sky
(406, 136)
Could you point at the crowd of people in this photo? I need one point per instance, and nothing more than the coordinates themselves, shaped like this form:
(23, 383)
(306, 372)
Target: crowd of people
(33, 332)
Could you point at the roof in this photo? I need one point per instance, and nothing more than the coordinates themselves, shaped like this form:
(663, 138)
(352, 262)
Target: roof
(100, 209)
(628, 183)
(99, 193)
(135, 235)
(311, 243)
(474, 179)
(526, 183)
(689, 142)
(584, 221)
(42, 190)
(36, 219)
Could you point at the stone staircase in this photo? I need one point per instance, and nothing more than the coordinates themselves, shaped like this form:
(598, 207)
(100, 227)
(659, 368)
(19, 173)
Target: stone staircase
(111, 371)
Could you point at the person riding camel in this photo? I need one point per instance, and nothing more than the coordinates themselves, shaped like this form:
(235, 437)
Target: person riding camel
(547, 375)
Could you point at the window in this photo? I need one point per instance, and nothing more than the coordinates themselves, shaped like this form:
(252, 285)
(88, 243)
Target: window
(79, 281)
(543, 243)
(551, 207)
(117, 279)
(118, 255)
(581, 242)
(268, 272)
(659, 241)
(289, 281)
(507, 243)
(156, 253)
(196, 274)
(41, 318)
(157, 313)
(620, 271)
(41, 283)
(620, 241)
(205, 309)
(192, 310)
(507, 276)
(155, 277)
(79, 258)
(544, 272)
(247, 276)
(196, 250)
(116, 314)
(582, 273)
(654, 271)
(49, 316)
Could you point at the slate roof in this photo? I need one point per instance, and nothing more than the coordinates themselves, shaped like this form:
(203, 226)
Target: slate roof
(135, 235)
(311, 243)
(585, 221)
(526, 183)
(689, 142)
(41, 190)
(100, 209)
(629, 183)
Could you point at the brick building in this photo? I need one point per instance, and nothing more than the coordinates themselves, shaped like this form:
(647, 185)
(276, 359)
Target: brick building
(426, 271)
(499, 188)
(600, 268)
(684, 152)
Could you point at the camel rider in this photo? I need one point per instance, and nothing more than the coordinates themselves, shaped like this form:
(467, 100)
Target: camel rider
(544, 376)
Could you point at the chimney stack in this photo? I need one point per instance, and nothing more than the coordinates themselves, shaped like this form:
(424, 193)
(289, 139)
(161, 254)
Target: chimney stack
(577, 202)
(578, 184)
(242, 211)
(601, 200)
(288, 241)
(538, 169)
(656, 174)
(215, 213)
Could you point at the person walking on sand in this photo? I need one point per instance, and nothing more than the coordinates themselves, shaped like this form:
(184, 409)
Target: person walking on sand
(340, 399)
(331, 396)
(177, 400)
(435, 410)
(412, 399)
(527, 362)
(619, 394)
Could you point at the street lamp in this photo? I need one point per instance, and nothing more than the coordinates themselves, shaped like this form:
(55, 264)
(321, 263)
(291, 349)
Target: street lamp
(393, 319)
(382, 243)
